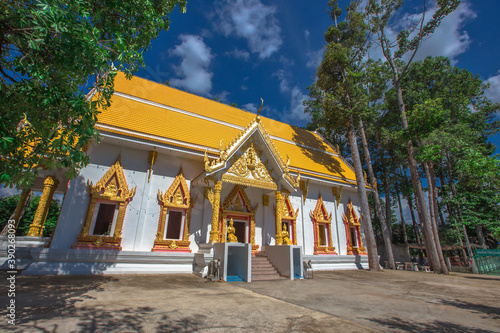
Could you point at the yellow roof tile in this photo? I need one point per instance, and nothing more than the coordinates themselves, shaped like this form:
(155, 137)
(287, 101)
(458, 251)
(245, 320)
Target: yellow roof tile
(309, 152)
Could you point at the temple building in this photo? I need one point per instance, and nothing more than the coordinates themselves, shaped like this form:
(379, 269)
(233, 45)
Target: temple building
(175, 174)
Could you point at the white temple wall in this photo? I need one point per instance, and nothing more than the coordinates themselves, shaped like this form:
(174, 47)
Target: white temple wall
(141, 218)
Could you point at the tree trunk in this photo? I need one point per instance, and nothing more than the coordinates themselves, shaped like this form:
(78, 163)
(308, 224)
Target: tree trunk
(403, 224)
(430, 243)
(433, 215)
(388, 215)
(366, 221)
(410, 205)
(480, 235)
(385, 231)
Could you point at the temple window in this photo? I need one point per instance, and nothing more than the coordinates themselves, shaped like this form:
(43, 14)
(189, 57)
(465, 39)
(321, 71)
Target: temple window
(173, 225)
(105, 221)
(109, 197)
(353, 234)
(322, 234)
(322, 229)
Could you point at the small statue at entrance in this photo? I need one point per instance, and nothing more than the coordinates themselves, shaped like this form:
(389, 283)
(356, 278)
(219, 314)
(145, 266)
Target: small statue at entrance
(284, 236)
(231, 237)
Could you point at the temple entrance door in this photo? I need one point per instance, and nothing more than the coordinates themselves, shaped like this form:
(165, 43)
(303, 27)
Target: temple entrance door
(240, 231)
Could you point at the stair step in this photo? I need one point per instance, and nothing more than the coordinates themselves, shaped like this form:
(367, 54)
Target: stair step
(266, 277)
(263, 270)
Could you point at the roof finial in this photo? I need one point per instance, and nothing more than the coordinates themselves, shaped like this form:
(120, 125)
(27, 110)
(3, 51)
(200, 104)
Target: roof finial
(261, 105)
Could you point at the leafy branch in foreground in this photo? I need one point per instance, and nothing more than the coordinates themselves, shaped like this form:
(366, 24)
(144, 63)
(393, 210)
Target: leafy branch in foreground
(53, 55)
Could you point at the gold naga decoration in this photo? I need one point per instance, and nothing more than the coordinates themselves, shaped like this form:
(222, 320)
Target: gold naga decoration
(178, 197)
(351, 221)
(231, 148)
(111, 187)
(321, 219)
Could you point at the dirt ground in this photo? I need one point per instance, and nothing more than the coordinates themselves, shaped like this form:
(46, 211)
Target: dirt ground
(340, 301)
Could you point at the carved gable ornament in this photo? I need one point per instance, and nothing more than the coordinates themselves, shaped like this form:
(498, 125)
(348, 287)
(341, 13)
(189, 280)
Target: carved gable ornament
(177, 194)
(248, 169)
(112, 185)
(257, 175)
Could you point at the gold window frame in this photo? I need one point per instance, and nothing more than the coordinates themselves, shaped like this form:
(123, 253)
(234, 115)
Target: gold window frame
(176, 198)
(351, 221)
(319, 218)
(111, 188)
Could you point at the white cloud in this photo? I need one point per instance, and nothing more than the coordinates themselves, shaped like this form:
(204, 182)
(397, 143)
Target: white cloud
(193, 69)
(314, 58)
(251, 107)
(283, 77)
(307, 34)
(286, 61)
(239, 54)
(493, 92)
(252, 20)
(296, 106)
(449, 39)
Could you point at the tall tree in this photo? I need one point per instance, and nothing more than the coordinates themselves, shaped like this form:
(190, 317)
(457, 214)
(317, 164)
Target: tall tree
(408, 42)
(375, 84)
(53, 55)
(344, 100)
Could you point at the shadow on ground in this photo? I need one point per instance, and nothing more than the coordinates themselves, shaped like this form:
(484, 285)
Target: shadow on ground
(435, 326)
(484, 310)
(57, 297)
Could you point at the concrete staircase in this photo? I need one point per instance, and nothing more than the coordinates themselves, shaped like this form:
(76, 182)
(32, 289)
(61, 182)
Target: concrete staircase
(263, 270)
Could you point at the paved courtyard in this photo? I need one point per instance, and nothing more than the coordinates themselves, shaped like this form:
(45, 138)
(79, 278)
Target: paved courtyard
(341, 301)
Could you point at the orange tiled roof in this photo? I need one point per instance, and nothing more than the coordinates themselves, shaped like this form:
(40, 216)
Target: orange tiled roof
(144, 108)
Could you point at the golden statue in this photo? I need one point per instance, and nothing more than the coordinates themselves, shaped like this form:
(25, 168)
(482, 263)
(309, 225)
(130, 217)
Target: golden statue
(231, 237)
(284, 236)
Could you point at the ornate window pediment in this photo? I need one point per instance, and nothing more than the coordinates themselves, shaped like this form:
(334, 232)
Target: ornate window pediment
(322, 229)
(173, 226)
(320, 214)
(177, 194)
(103, 223)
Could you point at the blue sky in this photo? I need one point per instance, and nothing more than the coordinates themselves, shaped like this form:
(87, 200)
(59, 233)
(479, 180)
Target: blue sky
(242, 50)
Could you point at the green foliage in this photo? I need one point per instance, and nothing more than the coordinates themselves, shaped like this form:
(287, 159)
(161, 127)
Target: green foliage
(52, 55)
(9, 204)
(341, 71)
